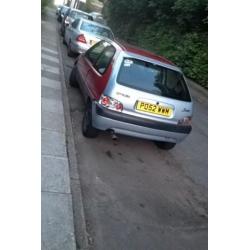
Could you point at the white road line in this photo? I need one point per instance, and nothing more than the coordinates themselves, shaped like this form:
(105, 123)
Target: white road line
(50, 58)
(50, 50)
(51, 69)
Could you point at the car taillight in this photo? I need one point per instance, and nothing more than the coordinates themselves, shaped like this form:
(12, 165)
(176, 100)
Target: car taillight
(81, 39)
(185, 121)
(111, 103)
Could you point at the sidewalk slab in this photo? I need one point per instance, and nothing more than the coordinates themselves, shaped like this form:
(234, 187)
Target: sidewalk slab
(51, 83)
(55, 175)
(53, 143)
(50, 68)
(53, 121)
(49, 105)
(50, 63)
(51, 93)
(57, 222)
(50, 57)
(50, 50)
(50, 75)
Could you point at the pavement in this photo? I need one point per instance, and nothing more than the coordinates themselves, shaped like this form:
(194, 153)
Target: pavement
(126, 194)
(57, 211)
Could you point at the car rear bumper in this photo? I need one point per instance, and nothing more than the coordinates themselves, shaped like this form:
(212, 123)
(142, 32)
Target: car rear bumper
(79, 47)
(105, 119)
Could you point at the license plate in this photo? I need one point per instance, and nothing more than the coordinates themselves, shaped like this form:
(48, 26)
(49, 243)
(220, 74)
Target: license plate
(154, 108)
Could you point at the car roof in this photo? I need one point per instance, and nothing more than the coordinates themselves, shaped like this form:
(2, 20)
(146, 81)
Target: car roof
(142, 52)
(95, 23)
(80, 11)
(95, 13)
(65, 6)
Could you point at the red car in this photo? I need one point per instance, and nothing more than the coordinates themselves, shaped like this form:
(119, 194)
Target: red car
(134, 92)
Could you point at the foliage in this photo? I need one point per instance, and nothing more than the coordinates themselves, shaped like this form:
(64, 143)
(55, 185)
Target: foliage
(44, 4)
(176, 29)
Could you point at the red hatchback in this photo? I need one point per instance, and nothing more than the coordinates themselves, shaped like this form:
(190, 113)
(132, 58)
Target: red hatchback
(134, 92)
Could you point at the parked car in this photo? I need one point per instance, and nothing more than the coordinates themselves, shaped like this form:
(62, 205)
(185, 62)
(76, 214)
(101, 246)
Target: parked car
(133, 92)
(82, 34)
(98, 17)
(58, 8)
(62, 12)
(71, 15)
(95, 14)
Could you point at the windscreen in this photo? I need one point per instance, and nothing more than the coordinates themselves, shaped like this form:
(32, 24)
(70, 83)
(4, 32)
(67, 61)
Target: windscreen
(77, 14)
(97, 30)
(153, 79)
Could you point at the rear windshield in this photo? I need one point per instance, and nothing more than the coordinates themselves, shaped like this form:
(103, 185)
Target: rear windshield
(64, 9)
(77, 14)
(153, 79)
(97, 30)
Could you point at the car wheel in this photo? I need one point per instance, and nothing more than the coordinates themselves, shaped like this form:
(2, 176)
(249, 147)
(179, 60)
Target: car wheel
(165, 145)
(72, 78)
(87, 129)
(70, 52)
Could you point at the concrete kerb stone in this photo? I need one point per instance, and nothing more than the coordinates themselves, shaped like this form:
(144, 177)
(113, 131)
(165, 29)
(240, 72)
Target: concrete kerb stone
(78, 209)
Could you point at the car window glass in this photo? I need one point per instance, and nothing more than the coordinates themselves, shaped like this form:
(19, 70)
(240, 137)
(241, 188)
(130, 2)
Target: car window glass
(75, 23)
(153, 78)
(64, 10)
(105, 59)
(77, 14)
(97, 30)
(67, 12)
(94, 52)
(72, 14)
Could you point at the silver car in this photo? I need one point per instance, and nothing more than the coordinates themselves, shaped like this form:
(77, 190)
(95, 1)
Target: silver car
(58, 9)
(82, 34)
(70, 16)
(133, 92)
(62, 12)
(98, 17)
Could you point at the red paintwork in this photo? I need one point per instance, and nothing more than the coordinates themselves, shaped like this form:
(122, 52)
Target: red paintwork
(91, 79)
(97, 82)
(136, 50)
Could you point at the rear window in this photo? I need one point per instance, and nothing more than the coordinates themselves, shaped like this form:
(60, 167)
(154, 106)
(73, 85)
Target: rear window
(77, 14)
(64, 9)
(97, 30)
(153, 79)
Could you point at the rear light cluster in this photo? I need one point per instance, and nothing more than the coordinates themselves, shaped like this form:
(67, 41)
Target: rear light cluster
(186, 121)
(111, 103)
(81, 39)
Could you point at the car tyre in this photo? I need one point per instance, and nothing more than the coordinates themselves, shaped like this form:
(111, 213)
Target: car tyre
(87, 129)
(72, 78)
(165, 145)
(70, 52)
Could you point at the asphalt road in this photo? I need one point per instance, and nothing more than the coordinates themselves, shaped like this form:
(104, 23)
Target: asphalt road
(137, 196)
